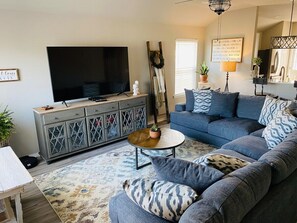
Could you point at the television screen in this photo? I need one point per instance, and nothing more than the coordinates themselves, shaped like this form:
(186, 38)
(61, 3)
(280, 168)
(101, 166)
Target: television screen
(86, 72)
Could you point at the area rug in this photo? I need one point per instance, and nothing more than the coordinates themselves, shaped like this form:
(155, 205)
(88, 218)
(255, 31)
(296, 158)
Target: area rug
(80, 192)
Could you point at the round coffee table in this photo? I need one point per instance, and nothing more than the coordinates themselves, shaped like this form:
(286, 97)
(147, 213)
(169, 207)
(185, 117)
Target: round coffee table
(141, 140)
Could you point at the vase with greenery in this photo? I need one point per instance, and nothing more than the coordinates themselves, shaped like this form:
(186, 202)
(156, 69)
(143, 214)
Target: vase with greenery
(203, 72)
(6, 126)
(257, 61)
(155, 131)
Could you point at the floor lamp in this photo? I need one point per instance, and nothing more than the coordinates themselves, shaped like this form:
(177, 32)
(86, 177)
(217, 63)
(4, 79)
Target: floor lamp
(228, 66)
(295, 86)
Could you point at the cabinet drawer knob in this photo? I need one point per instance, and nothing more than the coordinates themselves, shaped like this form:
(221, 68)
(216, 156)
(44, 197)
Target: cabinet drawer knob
(96, 110)
(112, 107)
(76, 114)
(56, 118)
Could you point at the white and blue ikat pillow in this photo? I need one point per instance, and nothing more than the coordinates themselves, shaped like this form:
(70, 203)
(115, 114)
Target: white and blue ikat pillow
(202, 100)
(162, 198)
(270, 108)
(277, 130)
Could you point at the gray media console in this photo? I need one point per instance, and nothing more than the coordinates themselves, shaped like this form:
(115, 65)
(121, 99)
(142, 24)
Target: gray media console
(84, 125)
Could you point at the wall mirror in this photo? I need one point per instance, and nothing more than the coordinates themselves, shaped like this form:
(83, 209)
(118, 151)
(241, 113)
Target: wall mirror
(279, 65)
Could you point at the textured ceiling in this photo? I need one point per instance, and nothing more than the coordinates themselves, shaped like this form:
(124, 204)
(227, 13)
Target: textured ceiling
(192, 13)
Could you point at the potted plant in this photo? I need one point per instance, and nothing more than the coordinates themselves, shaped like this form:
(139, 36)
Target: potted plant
(155, 131)
(6, 126)
(203, 72)
(257, 61)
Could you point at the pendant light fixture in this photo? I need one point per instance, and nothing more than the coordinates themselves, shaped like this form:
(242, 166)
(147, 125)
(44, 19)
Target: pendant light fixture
(285, 42)
(219, 6)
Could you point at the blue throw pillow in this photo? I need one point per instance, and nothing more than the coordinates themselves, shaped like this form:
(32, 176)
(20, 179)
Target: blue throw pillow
(189, 100)
(164, 199)
(179, 171)
(223, 104)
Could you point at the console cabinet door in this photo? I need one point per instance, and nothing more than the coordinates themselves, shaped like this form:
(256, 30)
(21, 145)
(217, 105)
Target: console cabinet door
(56, 139)
(112, 125)
(77, 135)
(96, 133)
(140, 117)
(127, 122)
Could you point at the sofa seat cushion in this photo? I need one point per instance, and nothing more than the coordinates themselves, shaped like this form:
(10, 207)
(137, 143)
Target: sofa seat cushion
(191, 120)
(123, 210)
(250, 146)
(257, 133)
(233, 128)
(231, 198)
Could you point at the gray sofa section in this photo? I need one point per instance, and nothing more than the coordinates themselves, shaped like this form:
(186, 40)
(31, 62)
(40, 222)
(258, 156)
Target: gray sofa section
(216, 130)
(264, 191)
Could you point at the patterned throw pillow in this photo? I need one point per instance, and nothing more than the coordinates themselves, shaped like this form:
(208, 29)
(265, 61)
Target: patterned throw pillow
(224, 163)
(270, 108)
(202, 100)
(164, 199)
(278, 129)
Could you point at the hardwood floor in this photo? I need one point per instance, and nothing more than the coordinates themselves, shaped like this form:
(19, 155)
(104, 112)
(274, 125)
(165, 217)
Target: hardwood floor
(36, 208)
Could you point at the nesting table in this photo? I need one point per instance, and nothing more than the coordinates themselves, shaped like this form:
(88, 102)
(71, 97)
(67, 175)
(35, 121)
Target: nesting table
(141, 140)
(13, 178)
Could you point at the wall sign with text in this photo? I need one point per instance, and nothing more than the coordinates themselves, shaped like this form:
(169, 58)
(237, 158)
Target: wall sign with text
(9, 75)
(226, 50)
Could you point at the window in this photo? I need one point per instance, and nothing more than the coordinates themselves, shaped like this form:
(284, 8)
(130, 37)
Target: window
(185, 65)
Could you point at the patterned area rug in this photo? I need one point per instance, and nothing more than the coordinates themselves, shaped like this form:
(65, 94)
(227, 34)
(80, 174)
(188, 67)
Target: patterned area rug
(80, 192)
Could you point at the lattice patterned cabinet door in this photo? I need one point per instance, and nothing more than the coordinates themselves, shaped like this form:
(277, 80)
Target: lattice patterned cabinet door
(77, 135)
(140, 117)
(112, 126)
(56, 139)
(127, 121)
(95, 125)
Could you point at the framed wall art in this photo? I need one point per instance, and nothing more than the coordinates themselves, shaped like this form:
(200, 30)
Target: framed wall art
(227, 49)
(9, 75)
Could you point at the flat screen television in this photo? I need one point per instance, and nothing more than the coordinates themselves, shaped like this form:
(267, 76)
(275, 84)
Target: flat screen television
(88, 72)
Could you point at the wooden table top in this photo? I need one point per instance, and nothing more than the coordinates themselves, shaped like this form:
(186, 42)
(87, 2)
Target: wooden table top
(12, 172)
(169, 139)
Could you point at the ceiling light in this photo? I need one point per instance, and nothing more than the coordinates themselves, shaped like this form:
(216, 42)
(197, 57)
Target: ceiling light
(219, 6)
(285, 42)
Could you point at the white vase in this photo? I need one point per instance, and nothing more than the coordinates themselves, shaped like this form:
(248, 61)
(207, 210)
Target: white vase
(256, 70)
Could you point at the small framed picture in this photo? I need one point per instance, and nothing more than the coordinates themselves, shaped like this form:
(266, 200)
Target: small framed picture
(9, 75)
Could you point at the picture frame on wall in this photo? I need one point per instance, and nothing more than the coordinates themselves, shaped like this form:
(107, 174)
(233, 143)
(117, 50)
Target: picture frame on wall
(227, 49)
(9, 75)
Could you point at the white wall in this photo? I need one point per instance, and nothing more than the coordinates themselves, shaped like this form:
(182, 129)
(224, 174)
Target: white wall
(23, 44)
(240, 23)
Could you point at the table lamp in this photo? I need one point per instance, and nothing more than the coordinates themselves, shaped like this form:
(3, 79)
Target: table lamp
(228, 66)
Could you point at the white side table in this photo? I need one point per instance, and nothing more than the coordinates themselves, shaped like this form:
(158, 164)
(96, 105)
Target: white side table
(202, 85)
(13, 178)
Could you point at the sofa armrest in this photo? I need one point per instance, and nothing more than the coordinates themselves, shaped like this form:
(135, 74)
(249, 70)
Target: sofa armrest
(180, 107)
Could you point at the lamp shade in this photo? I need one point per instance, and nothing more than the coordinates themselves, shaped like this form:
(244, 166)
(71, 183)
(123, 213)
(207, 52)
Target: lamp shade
(228, 66)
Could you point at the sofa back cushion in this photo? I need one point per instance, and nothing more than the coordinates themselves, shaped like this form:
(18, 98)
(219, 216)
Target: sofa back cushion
(249, 106)
(282, 159)
(223, 104)
(231, 198)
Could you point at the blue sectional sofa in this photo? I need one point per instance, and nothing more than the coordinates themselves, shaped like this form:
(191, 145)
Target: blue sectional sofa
(264, 191)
